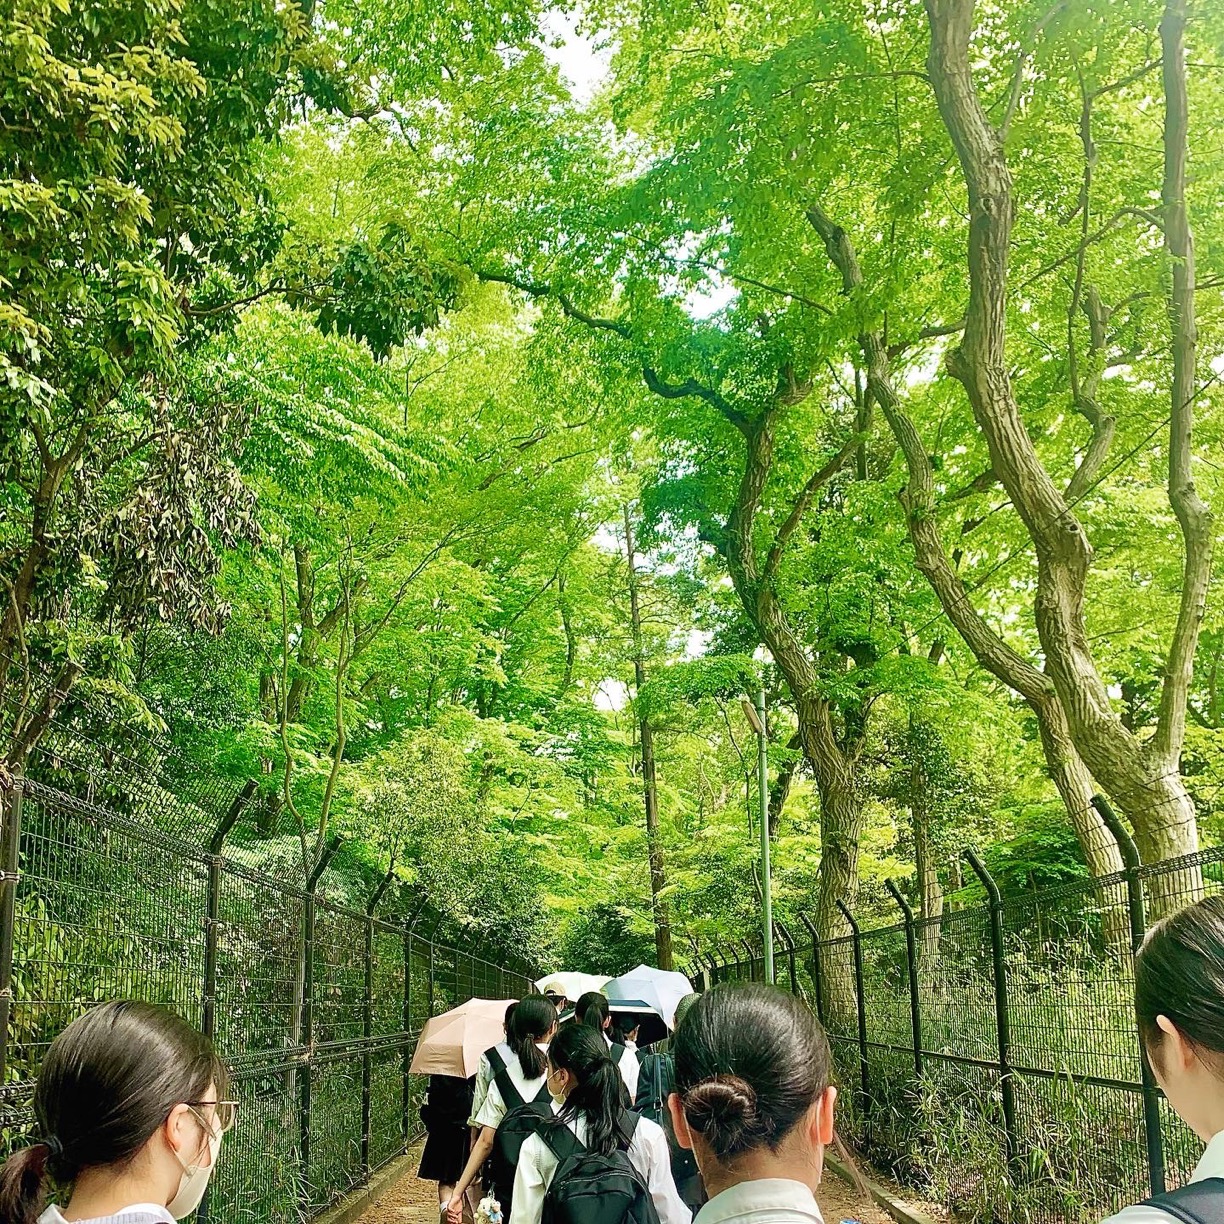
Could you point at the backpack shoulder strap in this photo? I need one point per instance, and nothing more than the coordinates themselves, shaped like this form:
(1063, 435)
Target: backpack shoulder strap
(619, 1050)
(510, 1095)
(628, 1125)
(1199, 1202)
(560, 1140)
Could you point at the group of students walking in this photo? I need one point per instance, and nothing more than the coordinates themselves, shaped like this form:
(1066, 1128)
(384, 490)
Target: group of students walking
(132, 1104)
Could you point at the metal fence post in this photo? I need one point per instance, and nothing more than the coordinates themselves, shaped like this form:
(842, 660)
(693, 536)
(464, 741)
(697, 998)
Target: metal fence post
(406, 1100)
(817, 978)
(367, 1024)
(1002, 1013)
(911, 964)
(861, 1006)
(212, 933)
(1138, 926)
(749, 960)
(10, 861)
(429, 973)
(308, 939)
(790, 955)
(212, 923)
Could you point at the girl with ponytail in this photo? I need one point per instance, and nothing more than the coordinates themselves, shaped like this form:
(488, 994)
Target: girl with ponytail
(753, 1102)
(530, 1026)
(588, 1099)
(130, 1115)
(592, 1010)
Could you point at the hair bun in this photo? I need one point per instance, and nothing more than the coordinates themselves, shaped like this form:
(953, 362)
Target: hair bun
(723, 1110)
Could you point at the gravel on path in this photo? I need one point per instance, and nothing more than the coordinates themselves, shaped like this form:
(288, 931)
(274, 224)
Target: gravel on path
(416, 1202)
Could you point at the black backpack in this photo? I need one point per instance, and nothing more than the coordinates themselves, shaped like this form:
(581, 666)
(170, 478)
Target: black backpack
(522, 1120)
(588, 1188)
(656, 1082)
(1200, 1202)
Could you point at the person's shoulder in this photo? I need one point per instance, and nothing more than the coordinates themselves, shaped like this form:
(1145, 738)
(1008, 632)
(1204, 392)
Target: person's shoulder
(649, 1132)
(1140, 1213)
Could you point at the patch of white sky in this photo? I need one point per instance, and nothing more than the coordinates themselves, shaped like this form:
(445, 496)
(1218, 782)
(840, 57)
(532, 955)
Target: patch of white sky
(583, 56)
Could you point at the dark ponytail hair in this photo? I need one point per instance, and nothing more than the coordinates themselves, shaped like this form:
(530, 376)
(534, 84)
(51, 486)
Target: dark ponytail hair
(751, 1060)
(1179, 973)
(531, 1021)
(598, 1094)
(109, 1080)
(592, 1010)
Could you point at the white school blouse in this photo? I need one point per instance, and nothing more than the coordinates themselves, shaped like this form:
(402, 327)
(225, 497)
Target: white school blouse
(484, 1077)
(140, 1213)
(628, 1067)
(1211, 1165)
(769, 1200)
(648, 1153)
(493, 1108)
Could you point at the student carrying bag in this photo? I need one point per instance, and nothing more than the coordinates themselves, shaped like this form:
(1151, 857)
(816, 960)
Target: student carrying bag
(1200, 1202)
(589, 1188)
(523, 1119)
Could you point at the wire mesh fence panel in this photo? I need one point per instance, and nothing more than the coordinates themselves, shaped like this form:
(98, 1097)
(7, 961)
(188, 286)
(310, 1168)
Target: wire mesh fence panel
(334, 1155)
(260, 970)
(260, 1177)
(339, 975)
(132, 892)
(102, 912)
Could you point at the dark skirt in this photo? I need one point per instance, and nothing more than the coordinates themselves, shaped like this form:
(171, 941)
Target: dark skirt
(445, 1113)
(445, 1154)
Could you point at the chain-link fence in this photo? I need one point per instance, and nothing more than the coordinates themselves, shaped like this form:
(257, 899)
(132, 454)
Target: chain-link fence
(988, 1059)
(118, 882)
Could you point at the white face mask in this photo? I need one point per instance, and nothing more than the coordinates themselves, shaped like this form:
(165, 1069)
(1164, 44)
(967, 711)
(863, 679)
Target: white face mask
(558, 1098)
(194, 1181)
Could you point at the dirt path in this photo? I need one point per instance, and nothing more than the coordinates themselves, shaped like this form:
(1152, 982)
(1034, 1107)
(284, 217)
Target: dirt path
(416, 1202)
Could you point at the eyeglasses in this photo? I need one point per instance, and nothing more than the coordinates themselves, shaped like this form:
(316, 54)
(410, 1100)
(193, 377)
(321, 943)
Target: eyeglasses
(226, 1112)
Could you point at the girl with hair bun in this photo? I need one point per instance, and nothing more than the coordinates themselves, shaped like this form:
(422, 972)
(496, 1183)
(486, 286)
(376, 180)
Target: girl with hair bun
(754, 1103)
(130, 1113)
(1179, 1006)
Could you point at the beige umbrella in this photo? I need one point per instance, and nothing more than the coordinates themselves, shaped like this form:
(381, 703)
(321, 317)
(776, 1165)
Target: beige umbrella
(452, 1043)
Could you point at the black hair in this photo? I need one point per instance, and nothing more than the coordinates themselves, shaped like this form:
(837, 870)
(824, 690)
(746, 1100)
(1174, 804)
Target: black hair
(108, 1081)
(509, 1012)
(532, 1019)
(623, 1025)
(592, 1010)
(1179, 973)
(751, 1060)
(598, 1093)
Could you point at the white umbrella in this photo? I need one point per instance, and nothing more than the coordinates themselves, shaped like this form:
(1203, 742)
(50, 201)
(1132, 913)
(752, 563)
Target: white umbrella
(572, 985)
(660, 989)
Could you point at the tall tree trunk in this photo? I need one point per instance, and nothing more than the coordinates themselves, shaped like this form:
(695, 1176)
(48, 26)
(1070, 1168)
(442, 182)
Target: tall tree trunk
(930, 890)
(1142, 778)
(650, 789)
(1067, 770)
(833, 765)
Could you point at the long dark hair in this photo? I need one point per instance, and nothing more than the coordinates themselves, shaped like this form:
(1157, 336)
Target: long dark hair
(1179, 973)
(531, 1021)
(109, 1080)
(592, 1010)
(597, 1094)
(750, 1062)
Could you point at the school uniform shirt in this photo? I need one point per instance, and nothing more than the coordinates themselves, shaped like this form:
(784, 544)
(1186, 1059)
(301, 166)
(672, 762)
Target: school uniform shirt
(493, 1109)
(1210, 1165)
(629, 1067)
(648, 1153)
(484, 1077)
(769, 1200)
(140, 1213)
